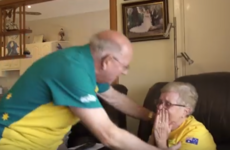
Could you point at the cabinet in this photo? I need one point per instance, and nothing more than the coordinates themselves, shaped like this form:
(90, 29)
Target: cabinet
(9, 27)
(11, 64)
(37, 50)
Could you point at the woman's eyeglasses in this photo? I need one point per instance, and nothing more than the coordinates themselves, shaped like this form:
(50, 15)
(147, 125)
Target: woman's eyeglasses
(167, 103)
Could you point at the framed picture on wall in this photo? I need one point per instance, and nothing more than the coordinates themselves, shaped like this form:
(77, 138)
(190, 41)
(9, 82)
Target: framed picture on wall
(145, 20)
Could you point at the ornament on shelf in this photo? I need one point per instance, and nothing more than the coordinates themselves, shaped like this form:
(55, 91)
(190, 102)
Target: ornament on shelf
(61, 34)
(11, 26)
(59, 47)
(28, 40)
(26, 52)
(12, 47)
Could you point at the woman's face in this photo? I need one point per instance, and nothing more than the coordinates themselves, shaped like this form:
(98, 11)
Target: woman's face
(170, 101)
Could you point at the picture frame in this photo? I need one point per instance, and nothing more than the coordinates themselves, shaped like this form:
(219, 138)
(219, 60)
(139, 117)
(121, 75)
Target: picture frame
(145, 20)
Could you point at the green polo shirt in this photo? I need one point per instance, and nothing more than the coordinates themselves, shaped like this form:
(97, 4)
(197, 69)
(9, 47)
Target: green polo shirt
(35, 114)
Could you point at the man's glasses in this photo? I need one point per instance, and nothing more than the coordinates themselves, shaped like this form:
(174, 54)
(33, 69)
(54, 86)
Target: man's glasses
(167, 104)
(125, 67)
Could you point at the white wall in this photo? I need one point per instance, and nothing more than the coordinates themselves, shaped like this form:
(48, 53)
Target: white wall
(205, 34)
(202, 31)
(153, 62)
(78, 29)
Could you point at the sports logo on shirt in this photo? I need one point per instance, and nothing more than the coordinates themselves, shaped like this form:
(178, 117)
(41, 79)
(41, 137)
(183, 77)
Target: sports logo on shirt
(88, 98)
(96, 89)
(192, 140)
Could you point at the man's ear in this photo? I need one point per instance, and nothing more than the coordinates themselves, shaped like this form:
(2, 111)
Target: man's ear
(105, 62)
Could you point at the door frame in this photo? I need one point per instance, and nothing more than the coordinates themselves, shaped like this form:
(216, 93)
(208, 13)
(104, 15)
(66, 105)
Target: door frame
(179, 11)
(113, 21)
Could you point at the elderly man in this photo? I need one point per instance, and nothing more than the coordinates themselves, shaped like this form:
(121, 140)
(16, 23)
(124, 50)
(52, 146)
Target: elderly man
(60, 89)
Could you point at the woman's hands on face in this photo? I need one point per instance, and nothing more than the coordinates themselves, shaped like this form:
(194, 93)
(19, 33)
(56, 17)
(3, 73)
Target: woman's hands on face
(162, 128)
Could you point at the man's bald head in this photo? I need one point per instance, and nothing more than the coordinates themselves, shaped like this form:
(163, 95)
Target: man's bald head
(112, 53)
(110, 42)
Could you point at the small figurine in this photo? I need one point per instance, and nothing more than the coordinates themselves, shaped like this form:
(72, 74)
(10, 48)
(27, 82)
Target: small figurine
(12, 48)
(61, 34)
(59, 47)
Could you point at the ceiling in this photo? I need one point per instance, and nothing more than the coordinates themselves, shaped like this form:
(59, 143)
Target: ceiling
(58, 8)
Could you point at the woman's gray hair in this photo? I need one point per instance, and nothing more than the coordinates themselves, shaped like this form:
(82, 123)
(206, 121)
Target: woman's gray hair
(103, 46)
(187, 93)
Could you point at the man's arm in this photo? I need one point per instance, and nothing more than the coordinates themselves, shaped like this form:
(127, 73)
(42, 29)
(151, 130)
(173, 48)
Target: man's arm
(76, 91)
(152, 141)
(109, 134)
(124, 104)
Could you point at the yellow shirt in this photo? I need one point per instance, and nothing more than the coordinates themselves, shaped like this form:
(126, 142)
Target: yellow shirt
(193, 136)
(42, 129)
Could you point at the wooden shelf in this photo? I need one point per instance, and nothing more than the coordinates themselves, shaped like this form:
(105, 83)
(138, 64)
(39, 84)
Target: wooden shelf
(10, 3)
(21, 31)
(15, 57)
(15, 32)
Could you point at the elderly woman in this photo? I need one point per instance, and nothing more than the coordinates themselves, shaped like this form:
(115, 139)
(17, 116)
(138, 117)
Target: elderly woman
(174, 122)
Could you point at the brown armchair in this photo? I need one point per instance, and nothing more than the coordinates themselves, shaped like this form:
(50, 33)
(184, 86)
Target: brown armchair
(213, 107)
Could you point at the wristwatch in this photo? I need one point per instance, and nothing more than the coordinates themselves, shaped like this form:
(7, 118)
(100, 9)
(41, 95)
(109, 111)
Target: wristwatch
(150, 115)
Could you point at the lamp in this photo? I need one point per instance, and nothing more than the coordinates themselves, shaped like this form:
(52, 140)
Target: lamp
(187, 58)
(176, 56)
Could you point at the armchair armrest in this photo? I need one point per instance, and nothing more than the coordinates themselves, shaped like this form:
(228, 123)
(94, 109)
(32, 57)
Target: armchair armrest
(145, 128)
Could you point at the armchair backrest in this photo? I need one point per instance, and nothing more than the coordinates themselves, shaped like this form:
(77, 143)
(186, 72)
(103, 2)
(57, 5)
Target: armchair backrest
(213, 107)
(145, 128)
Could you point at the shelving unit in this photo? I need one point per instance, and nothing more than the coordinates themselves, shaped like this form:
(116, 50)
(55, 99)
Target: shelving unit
(15, 32)
(21, 31)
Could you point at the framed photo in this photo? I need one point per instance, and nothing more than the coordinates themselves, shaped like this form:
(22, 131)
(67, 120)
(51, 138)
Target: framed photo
(145, 20)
